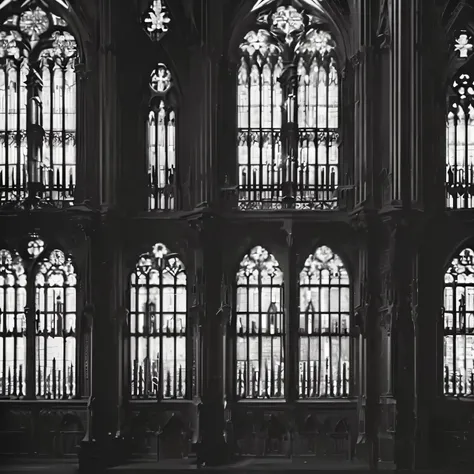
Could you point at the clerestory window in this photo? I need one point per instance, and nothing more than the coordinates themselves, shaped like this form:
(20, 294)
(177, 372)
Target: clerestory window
(288, 112)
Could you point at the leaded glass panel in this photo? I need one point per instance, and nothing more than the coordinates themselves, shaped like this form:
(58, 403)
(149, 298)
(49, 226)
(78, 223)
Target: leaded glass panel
(458, 319)
(288, 113)
(260, 329)
(37, 103)
(158, 326)
(324, 327)
(55, 302)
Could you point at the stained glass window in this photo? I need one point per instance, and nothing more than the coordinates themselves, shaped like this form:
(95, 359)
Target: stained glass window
(260, 327)
(38, 292)
(288, 119)
(158, 310)
(37, 103)
(458, 357)
(324, 327)
(156, 20)
(12, 325)
(460, 144)
(161, 142)
(55, 296)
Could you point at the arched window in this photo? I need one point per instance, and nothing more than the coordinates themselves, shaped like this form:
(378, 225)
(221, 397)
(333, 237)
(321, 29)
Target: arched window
(460, 132)
(324, 328)
(288, 113)
(37, 102)
(260, 327)
(55, 295)
(458, 357)
(38, 294)
(158, 310)
(12, 325)
(161, 142)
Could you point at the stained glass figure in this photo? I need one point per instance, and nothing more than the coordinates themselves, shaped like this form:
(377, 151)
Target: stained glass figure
(158, 326)
(324, 328)
(13, 293)
(161, 143)
(463, 44)
(260, 330)
(156, 20)
(288, 113)
(37, 103)
(55, 302)
(458, 317)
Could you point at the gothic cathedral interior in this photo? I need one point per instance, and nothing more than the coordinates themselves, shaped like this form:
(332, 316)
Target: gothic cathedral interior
(237, 229)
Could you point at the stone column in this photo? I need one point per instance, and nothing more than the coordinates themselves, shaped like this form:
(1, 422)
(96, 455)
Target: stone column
(403, 334)
(95, 448)
(212, 449)
(366, 323)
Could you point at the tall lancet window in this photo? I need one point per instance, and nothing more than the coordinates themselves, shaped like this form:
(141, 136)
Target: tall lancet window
(37, 102)
(324, 328)
(158, 310)
(161, 142)
(260, 327)
(12, 325)
(55, 296)
(458, 358)
(288, 112)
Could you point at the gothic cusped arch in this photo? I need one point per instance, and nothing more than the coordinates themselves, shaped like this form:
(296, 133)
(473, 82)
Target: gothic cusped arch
(337, 16)
(458, 324)
(158, 326)
(259, 327)
(325, 308)
(161, 140)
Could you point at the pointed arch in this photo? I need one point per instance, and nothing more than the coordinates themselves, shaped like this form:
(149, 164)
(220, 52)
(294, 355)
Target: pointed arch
(324, 326)
(158, 326)
(56, 326)
(260, 327)
(288, 112)
(13, 301)
(161, 141)
(458, 324)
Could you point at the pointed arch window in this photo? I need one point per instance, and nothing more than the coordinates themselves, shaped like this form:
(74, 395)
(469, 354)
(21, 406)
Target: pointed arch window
(158, 326)
(161, 138)
(260, 330)
(55, 294)
(458, 322)
(13, 297)
(288, 113)
(37, 103)
(38, 294)
(324, 327)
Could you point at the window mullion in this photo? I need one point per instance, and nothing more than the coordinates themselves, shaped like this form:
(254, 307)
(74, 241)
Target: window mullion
(31, 337)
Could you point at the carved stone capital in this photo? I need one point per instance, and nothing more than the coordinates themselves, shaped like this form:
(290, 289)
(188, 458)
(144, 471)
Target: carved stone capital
(356, 59)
